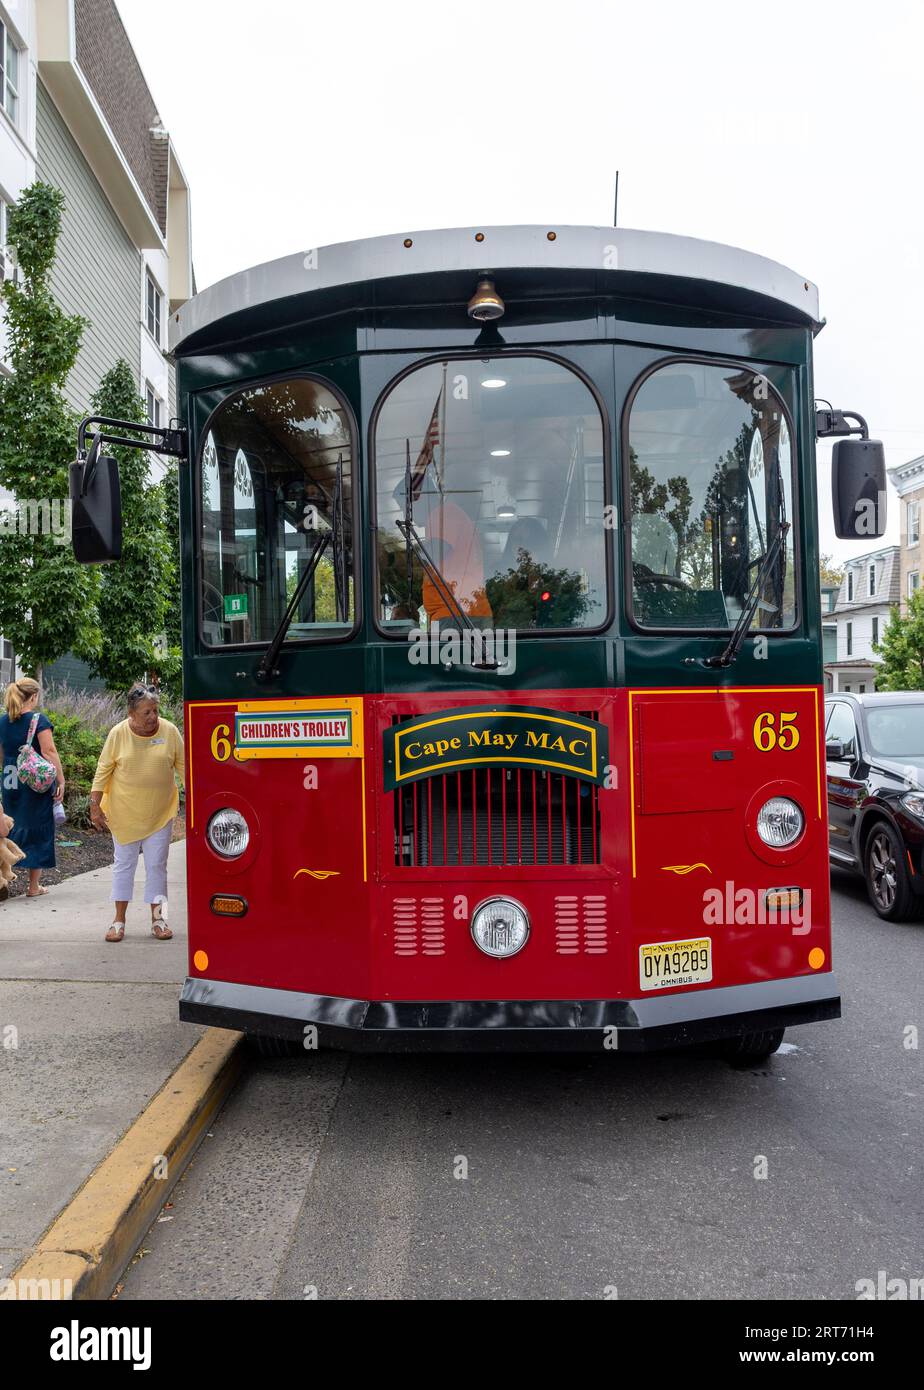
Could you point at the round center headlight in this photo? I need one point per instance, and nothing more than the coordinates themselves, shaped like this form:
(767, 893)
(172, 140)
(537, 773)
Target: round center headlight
(228, 833)
(780, 822)
(500, 927)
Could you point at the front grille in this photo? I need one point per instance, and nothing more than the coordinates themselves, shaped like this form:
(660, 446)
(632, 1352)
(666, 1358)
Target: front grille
(496, 815)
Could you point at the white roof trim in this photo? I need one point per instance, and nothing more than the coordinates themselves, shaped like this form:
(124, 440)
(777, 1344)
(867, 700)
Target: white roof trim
(502, 248)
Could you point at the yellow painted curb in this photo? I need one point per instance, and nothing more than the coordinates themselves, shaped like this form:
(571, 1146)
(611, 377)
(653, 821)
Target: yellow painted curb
(84, 1251)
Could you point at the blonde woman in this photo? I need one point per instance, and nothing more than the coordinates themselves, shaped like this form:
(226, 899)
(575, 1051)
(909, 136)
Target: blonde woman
(33, 812)
(134, 795)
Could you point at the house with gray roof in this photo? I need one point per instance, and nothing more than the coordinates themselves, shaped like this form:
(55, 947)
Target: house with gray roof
(870, 589)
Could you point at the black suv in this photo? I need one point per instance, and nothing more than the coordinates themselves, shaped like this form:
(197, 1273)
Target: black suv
(874, 747)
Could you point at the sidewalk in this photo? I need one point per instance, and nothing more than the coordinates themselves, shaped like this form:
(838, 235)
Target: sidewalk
(88, 1034)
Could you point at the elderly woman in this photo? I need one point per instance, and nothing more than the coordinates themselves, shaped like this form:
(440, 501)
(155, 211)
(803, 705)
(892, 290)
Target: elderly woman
(32, 811)
(134, 795)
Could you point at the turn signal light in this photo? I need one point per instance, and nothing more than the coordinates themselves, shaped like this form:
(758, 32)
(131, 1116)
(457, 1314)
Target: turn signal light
(778, 898)
(227, 906)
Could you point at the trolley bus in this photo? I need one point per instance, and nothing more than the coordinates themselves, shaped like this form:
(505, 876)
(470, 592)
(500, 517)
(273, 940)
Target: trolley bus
(502, 642)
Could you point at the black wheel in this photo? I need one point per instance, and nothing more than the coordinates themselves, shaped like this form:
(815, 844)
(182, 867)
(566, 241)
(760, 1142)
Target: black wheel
(886, 872)
(750, 1049)
(264, 1046)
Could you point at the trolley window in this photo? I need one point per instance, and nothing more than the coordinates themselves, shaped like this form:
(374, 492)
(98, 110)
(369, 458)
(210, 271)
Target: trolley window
(276, 507)
(710, 481)
(490, 497)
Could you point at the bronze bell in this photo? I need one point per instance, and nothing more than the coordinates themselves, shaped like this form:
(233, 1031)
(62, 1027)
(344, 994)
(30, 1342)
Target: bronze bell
(485, 304)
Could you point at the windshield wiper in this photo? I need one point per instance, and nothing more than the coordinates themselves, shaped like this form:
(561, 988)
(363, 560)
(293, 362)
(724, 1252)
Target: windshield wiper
(726, 657)
(268, 668)
(411, 538)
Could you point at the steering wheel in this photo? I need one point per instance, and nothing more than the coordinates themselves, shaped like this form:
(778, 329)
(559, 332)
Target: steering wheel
(213, 603)
(643, 575)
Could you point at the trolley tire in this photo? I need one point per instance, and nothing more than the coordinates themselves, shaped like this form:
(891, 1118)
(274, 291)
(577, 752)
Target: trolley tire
(750, 1049)
(265, 1046)
(888, 883)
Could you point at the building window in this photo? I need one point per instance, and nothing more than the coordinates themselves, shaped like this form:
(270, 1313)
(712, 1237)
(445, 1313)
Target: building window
(875, 630)
(8, 269)
(153, 307)
(872, 581)
(850, 639)
(861, 689)
(914, 580)
(914, 523)
(9, 72)
(154, 406)
(850, 586)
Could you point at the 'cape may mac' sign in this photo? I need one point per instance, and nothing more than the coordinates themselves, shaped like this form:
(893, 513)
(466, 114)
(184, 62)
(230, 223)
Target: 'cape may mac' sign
(511, 735)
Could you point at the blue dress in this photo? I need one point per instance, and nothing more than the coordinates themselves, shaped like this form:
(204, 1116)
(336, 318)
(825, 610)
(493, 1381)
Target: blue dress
(33, 812)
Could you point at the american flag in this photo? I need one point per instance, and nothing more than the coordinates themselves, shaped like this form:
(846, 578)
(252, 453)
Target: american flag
(425, 457)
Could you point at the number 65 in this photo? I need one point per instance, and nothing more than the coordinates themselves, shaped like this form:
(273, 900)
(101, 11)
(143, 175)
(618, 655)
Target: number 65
(766, 735)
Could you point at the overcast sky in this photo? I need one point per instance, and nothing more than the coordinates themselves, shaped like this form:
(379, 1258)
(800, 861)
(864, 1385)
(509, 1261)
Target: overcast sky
(791, 129)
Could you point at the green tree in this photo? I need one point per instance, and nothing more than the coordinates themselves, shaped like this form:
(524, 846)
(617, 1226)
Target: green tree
(47, 600)
(829, 571)
(901, 651)
(134, 590)
(516, 596)
(170, 500)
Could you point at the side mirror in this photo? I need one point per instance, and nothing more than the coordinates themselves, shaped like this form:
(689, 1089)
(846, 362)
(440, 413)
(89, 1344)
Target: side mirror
(96, 509)
(834, 751)
(858, 489)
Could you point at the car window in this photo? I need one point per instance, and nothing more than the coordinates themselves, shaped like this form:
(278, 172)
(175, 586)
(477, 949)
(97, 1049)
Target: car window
(897, 731)
(842, 729)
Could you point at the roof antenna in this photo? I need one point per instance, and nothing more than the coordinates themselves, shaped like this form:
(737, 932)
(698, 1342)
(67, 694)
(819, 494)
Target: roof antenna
(616, 200)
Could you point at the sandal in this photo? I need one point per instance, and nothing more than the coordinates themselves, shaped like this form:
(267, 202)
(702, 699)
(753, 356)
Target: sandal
(40, 894)
(159, 929)
(116, 931)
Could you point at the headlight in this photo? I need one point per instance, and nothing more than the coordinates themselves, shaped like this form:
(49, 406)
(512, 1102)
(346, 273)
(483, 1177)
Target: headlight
(228, 833)
(914, 802)
(780, 822)
(500, 927)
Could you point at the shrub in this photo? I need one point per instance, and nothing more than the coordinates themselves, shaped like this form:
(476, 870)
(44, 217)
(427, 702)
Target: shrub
(97, 711)
(79, 747)
(78, 811)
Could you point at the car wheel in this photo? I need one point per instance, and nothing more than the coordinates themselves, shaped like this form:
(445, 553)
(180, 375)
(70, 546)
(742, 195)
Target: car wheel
(750, 1049)
(887, 880)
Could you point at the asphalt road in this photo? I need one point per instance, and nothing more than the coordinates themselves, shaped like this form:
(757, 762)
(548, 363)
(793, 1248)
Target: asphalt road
(341, 1177)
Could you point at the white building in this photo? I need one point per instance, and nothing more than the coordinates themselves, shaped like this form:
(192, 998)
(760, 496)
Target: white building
(868, 593)
(76, 112)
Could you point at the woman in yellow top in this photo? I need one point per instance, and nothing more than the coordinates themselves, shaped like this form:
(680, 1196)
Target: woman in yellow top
(134, 795)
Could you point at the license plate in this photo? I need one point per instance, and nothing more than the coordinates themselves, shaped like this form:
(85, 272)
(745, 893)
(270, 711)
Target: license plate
(667, 964)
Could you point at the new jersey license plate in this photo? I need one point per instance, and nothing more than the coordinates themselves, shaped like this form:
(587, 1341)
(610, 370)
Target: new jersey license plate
(667, 964)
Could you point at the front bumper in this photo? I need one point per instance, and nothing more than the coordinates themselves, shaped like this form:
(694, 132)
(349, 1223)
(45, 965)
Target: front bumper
(553, 1025)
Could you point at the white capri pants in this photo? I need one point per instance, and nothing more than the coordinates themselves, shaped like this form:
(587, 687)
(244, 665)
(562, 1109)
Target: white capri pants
(155, 849)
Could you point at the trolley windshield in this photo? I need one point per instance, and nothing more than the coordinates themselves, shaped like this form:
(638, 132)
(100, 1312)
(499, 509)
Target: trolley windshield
(490, 497)
(710, 486)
